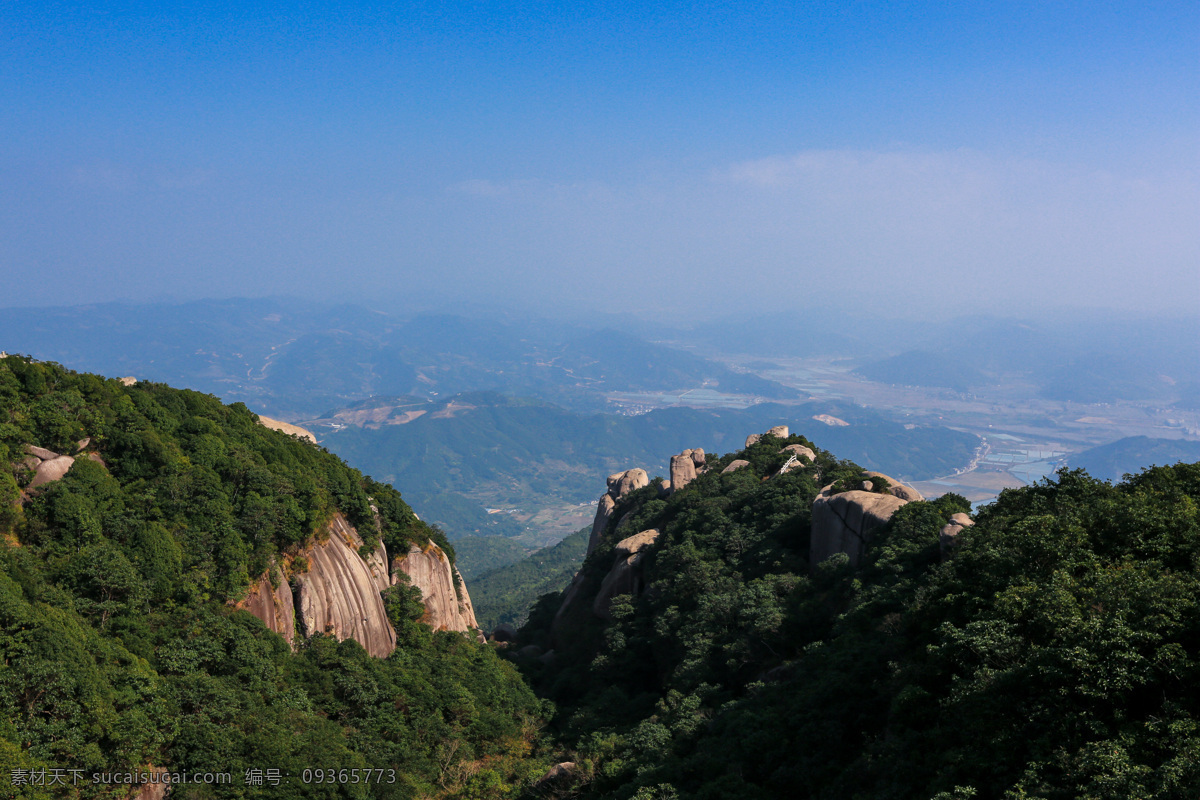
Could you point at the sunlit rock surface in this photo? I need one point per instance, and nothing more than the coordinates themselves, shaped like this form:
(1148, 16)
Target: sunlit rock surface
(447, 604)
(339, 595)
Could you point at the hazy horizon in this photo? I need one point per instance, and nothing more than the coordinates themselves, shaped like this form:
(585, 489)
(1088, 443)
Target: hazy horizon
(900, 159)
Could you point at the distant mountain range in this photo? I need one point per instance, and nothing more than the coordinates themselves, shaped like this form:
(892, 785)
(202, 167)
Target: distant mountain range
(1133, 454)
(293, 359)
(1084, 362)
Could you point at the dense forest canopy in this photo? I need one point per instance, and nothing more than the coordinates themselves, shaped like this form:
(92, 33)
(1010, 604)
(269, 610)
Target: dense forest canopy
(1050, 651)
(121, 649)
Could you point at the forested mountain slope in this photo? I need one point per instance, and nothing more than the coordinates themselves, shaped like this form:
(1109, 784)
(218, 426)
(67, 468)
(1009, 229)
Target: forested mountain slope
(123, 647)
(1049, 650)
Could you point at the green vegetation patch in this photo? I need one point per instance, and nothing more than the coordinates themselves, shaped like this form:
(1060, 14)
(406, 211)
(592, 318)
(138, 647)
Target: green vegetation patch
(1051, 652)
(120, 646)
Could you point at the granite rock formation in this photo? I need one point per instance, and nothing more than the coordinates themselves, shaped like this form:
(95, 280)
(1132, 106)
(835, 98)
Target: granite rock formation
(685, 467)
(447, 604)
(779, 431)
(274, 606)
(843, 522)
(625, 577)
(49, 466)
(905, 493)
(950, 531)
(338, 594)
(619, 485)
(800, 452)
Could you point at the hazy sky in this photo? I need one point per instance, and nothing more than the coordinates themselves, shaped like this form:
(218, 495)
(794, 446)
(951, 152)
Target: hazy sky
(935, 156)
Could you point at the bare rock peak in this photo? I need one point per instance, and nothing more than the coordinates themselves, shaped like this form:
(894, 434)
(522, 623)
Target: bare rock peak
(619, 485)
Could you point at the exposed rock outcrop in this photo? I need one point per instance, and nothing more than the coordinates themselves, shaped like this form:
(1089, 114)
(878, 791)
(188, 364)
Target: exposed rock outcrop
(557, 777)
(339, 595)
(567, 608)
(685, 467)
(906, 493)
(287, 427)
(778, 431)
(604, 512)
(949, 534)
(843, 522)
(625, 577)
(47, 465)
(51, 470)
(274, 606)
(735, 465)
(622, 483)
(447, 604)
(798, 456)
(619, 485)
(800, 452)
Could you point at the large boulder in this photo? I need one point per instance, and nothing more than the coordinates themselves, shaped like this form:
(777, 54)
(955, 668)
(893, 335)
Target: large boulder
(625, 577)
(683, 470)
(51, 470)
(801, 452)
(735, 465)
(779, 431)
(895, 487)
(843, 522)
(338, 594)
(948, 536)
(622, 483)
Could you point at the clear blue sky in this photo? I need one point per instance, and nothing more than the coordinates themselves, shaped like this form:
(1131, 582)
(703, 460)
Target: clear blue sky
(652, 157)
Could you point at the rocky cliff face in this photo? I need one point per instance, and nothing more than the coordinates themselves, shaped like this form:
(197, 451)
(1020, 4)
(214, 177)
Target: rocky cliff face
(339, 594)
(274, 606)
(447, 604)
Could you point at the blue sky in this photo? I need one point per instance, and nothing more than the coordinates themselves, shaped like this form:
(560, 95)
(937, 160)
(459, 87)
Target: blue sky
(657, 158)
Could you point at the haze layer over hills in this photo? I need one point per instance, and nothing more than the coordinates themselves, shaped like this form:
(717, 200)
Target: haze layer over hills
(400, 395)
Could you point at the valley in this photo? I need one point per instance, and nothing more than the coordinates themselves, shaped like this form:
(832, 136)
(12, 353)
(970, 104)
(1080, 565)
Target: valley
(1024, 437)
